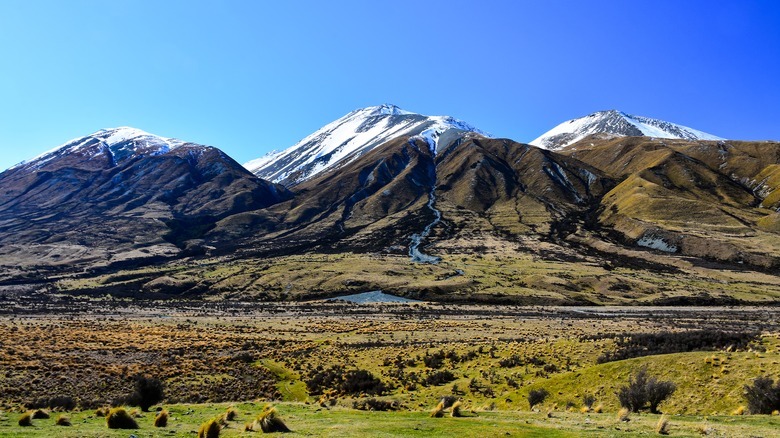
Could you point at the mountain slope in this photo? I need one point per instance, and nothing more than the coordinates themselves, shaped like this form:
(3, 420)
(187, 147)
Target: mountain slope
(348, 138)
(615, 123)
(109, 195)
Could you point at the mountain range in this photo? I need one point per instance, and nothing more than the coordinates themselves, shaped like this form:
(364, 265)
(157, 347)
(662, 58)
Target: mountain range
(609, 208)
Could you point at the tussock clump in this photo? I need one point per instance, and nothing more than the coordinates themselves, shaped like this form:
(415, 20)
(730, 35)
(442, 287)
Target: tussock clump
(101, 412)
(40, 415)
(662, 427)
(269, 421)
(118, 418)
(63, 420)
(739, 411)
(438, 411)
(25, 419)
(623, 415)
(210, 429)
(231, 414)
(598, 409)
(456, 412)
(161, 420)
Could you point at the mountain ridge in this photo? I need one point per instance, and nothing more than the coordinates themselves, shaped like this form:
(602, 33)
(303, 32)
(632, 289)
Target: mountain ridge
(615, 123)
(349, 137)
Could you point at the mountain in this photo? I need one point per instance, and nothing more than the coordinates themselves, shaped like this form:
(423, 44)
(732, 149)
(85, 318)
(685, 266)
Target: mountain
(399, 195)
(615, 123)
(421, 206)
(120, 194)
(347, 138)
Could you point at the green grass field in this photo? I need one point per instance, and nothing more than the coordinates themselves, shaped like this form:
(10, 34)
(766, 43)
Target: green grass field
(312, 420)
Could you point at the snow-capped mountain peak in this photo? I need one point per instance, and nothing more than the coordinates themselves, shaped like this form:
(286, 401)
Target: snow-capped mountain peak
(118, 143)
(349, 137)
(616, 123)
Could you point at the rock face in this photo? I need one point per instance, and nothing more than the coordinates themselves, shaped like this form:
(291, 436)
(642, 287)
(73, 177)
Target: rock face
(121, 194)
(615, 123)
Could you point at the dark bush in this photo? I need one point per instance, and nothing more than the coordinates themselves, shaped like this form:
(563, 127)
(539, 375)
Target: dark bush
(434, 360)
(763, 396)
(437, 378)
(536, 396)
(511, 362)
(352, 382)
(648, 344)
(588, 400)
(362, 382)
(373, 404)
(324, 379)
(643, 390)
(148, 391)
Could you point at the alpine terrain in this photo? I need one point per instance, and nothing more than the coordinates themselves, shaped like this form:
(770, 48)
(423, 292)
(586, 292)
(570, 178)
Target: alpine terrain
(614, 209)
(348, 138)
(615, 123)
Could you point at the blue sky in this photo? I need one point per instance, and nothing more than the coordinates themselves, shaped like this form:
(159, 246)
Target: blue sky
(251, 76)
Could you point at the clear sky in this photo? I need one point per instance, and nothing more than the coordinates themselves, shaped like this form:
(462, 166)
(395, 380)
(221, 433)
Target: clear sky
(251, 76)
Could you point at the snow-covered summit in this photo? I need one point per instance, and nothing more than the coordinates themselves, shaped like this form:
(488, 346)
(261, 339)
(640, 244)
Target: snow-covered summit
(615, 123)
(119, 143)
(349, 137)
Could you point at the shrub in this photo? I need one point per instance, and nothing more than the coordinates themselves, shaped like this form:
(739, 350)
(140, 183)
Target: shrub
(209, 429)
(662, 427)
(63, 420)
(161, 420)
(763, 396)
(536, 396)
(437, 378)
(362, 382)
(642, 390)
(434, 360)
(373, 404)
(511, 362)
(25, 419)
(118, 418)
(40, 415)
(270, 422)
(648, 344)
(588, 400)
(148, 391)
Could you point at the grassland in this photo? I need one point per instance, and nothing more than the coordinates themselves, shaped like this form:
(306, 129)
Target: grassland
(494, 272)
(212, 354)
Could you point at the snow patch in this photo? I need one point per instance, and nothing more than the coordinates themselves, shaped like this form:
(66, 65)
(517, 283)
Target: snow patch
(653, 242)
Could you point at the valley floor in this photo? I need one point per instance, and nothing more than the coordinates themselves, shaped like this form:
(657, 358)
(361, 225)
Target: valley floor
(85, 352)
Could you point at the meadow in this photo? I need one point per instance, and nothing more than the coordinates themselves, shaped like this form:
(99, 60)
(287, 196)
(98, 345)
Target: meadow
(342, 369)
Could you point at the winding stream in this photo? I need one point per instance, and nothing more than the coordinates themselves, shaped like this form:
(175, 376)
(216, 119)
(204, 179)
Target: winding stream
(414, 247)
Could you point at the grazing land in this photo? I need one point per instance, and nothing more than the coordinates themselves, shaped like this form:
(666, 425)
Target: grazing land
(333, 368)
